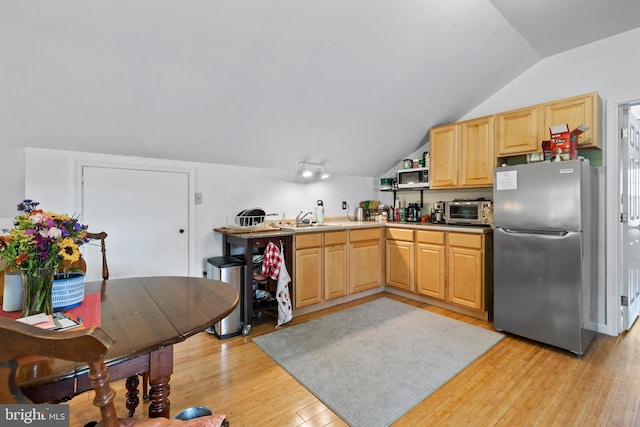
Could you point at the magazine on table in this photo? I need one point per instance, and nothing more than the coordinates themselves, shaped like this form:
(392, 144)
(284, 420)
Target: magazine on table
(57, 321)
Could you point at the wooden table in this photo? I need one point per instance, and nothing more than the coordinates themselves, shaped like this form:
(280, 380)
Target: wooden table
(145, 316)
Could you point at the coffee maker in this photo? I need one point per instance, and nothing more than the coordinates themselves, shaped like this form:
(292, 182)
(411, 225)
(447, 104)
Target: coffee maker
(413, 212)
(437, 213)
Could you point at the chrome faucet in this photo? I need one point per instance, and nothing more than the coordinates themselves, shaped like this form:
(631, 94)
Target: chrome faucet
(300, 217)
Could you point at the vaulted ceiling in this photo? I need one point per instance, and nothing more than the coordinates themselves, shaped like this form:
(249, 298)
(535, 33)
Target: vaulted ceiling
(355, 84)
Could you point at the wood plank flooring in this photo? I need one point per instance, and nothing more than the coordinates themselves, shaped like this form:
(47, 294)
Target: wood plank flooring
(516, 383)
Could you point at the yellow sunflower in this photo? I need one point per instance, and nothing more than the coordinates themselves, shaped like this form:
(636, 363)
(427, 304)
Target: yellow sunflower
(69, 250)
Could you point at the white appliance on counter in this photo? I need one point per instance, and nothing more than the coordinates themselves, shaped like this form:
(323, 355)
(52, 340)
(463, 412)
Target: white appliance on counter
(545, 252)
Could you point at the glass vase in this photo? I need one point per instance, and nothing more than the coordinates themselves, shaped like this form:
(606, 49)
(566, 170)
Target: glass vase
(38, 290)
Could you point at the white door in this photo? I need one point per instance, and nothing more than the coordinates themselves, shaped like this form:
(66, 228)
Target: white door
(630, 219)
(145, 214)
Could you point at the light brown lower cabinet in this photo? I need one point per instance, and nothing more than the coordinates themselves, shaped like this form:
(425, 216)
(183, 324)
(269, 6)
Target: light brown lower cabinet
(308, 269)
(321, 267)
(466, 270)
(452, 267)
(400, 258)
(365, 259)
(336, 265)
(430, 263)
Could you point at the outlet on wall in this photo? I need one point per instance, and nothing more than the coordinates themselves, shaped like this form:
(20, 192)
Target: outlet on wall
(344, 205)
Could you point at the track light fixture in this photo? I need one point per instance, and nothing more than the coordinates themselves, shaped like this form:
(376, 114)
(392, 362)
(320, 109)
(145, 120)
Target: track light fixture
(323, 172)
(308, 171)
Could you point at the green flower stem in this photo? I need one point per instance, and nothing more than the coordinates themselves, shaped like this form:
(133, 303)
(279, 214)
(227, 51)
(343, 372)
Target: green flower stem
(38, 290)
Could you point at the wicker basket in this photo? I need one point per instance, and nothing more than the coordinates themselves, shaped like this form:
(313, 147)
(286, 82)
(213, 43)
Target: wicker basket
(68, 292)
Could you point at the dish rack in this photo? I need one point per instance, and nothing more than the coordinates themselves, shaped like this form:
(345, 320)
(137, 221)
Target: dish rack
(249, 219)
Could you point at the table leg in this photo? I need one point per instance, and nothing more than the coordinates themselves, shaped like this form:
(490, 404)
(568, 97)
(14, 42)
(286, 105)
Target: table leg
(160, 370)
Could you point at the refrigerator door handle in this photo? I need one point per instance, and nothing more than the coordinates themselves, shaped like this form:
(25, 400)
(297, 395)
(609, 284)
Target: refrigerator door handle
(557, 233)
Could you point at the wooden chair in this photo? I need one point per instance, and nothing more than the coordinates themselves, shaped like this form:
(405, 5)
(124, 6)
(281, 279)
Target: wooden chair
(80, 345)
(81, 263)
(101, 236)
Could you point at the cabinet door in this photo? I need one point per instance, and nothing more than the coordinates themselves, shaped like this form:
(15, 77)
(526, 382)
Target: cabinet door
(430, 273)
(477, 160)
(466, 282)
(573, 111)
(517, 132)
(364, 265)
(308, 276)
(443, 142)
(335, 271)
(400, 264)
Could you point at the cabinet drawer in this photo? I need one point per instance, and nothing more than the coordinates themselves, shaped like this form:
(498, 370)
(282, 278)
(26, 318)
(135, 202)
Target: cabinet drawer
(364, 234)
(335, 238)
(308, 240)
(435, 237)
(465, 240)
(400, 234)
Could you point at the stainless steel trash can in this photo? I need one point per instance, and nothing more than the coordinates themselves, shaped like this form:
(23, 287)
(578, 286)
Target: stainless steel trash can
(229, 270)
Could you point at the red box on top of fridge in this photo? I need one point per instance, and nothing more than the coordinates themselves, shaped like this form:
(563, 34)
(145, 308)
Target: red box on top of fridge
(561, 143)
(564, 144)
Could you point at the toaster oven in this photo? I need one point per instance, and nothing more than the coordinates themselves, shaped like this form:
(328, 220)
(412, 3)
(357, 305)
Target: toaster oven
(467, 212)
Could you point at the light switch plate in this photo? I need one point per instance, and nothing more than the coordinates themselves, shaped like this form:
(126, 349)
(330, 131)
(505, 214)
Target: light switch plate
(198, 198)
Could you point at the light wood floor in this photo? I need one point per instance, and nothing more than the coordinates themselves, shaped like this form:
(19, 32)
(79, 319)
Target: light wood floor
(516, 383)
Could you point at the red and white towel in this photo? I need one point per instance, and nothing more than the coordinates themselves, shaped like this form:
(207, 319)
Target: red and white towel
(285, 309)
(271, 261)
(273, 266)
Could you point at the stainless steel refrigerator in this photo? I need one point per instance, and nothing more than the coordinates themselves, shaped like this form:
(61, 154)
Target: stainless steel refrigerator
(545, 252)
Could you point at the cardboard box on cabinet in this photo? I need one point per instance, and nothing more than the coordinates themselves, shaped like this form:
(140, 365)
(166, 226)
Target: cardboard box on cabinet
(564, 144)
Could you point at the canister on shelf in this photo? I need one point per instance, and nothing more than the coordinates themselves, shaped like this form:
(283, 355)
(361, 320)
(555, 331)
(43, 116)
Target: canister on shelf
(407, 164)
(386, 183)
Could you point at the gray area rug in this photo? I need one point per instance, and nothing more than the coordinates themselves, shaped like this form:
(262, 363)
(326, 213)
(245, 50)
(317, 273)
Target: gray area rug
(372, 363)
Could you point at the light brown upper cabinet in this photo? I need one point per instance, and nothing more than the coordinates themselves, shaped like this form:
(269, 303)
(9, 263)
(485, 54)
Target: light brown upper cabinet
(462, 154)
(583, 109)
(522, 131)
(444, 156)
(517, 131)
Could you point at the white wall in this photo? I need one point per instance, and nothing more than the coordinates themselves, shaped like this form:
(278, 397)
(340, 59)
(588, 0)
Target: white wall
(12, 178)
(610, 67)
(51, 179)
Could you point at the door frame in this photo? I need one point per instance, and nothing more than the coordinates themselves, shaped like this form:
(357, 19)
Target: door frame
(613, 323)
(194, 269)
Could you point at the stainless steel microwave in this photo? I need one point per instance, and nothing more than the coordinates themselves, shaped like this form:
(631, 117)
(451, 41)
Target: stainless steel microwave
(413, 178)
